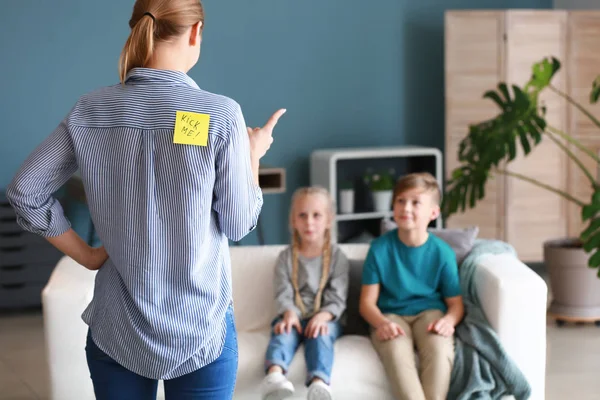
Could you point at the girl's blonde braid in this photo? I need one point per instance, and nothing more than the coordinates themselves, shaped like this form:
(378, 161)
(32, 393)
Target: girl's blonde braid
(325, 272)
(295, 249)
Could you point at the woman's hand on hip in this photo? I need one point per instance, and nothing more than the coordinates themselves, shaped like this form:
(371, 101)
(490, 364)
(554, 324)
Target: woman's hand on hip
(96, 258)
(261, 138)
(72, 245)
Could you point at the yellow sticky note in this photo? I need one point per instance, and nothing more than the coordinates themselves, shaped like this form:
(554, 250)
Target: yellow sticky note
(191, 128)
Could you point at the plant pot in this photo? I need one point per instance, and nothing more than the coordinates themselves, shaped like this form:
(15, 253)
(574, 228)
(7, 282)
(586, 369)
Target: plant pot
(382, 200)
(575, 287)
(346, 201)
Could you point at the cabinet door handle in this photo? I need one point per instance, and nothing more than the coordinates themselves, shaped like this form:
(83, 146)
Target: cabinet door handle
(12, 249)
(10, 234)
(13, 286)
(12, 267)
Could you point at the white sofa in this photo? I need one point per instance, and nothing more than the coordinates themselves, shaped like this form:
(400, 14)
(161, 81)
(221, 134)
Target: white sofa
(513, 298)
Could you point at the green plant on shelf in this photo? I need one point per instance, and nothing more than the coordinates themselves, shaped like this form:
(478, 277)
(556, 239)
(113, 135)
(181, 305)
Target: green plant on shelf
(379, 181)
(346, 185)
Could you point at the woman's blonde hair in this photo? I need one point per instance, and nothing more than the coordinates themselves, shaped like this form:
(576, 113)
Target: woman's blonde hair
(326, 255)
(156, 21)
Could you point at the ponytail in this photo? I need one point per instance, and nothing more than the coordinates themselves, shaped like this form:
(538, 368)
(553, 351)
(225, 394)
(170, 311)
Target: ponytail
(155, 21)
(139, 46)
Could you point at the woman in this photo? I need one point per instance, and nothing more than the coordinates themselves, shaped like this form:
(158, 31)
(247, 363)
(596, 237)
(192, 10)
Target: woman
(170, 173)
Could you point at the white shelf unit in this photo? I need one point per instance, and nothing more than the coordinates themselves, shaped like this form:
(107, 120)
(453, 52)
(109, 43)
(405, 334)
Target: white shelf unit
(329, 166)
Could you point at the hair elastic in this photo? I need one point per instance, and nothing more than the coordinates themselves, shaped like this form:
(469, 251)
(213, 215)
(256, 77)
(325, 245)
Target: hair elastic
(150, 15)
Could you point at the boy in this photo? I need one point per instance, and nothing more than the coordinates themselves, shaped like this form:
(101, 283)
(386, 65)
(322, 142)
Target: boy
(411, 294)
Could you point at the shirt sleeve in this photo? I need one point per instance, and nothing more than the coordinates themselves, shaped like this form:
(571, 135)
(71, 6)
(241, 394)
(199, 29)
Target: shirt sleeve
(370, 273)
(237, 199)
(31, 191)
(284, 291)
(335, 293)
(450, 282)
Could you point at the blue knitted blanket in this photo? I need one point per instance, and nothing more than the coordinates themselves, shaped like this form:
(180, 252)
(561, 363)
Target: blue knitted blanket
(482, 369)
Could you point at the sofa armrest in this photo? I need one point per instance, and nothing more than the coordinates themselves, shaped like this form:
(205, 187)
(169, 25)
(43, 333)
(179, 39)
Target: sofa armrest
(514, 300)
(64, 298)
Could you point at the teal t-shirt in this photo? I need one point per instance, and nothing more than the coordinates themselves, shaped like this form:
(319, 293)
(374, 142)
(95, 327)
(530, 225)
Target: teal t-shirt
(411, 279)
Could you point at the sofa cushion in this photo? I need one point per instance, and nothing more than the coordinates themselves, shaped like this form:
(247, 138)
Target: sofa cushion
(355, 324)
(461, 240)
(357, 372)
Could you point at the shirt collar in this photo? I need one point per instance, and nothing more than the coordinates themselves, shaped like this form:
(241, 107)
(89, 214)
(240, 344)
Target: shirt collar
(145, 75)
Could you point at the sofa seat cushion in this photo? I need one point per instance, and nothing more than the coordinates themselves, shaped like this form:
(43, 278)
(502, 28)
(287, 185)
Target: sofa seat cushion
(357, 372)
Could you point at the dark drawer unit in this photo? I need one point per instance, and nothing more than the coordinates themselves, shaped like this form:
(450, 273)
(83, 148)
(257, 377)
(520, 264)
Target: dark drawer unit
(21, 238)
(26, 262)
(8, 219)
(31, 252)
(20, 295)
(6, 210)
(12, 274)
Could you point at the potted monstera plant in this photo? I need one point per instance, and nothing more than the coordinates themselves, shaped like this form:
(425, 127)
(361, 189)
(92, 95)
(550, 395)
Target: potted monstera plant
(492, 144)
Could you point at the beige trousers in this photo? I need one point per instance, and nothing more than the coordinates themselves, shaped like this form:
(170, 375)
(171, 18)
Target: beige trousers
(436, 357)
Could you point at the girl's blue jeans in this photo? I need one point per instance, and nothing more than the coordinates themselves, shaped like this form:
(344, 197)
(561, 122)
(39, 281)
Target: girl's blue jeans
(318, 352)
(216, 381)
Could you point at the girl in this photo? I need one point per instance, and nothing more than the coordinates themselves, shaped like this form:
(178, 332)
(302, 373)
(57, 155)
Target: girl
(311, 286)
(170, 172)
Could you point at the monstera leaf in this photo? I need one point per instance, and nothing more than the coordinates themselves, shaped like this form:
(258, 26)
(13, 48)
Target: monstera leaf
(491, 142)
(520, 125)
(595, 90)
(521, 121)
(542, 74)
(468, 184)
(590, 237)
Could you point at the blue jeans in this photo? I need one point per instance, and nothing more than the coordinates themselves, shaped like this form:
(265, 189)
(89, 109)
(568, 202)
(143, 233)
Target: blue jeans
(318, 352)
(215, 381)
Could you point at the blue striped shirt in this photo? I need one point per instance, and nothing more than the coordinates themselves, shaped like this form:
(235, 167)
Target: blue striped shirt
(163, 211)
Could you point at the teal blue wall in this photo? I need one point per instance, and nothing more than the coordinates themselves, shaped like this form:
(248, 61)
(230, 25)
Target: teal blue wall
(350, 73)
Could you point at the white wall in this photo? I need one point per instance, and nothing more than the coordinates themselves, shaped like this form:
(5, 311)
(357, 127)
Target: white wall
(577, 4)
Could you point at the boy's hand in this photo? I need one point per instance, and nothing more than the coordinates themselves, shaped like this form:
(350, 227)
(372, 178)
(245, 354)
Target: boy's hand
(290, 320)
(389, 331)
(318, 325)
(442, 326)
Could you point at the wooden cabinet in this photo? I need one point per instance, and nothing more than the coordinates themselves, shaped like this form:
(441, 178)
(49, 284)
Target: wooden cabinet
(483, 48)
(473, 58)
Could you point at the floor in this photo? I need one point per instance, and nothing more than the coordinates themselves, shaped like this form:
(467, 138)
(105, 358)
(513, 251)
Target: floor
(572, 368)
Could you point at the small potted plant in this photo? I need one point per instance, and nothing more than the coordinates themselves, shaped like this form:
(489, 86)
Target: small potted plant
(381, 185)
(346, 197)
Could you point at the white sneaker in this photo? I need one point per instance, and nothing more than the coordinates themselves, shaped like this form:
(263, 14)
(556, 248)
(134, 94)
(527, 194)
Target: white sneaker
(319, 390)
(275, 386)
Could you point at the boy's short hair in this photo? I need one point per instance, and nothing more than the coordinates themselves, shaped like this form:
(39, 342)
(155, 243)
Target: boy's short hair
(421, 180)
